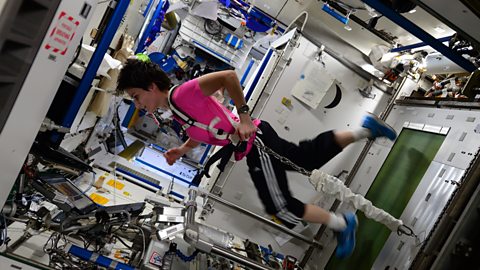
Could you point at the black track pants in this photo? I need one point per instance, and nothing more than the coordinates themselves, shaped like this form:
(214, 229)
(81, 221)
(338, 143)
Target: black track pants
(269, 176)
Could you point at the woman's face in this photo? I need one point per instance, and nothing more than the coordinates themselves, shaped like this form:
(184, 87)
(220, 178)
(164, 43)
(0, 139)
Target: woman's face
(148, 100)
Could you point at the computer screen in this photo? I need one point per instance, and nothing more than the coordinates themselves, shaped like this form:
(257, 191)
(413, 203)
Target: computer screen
(74, 195)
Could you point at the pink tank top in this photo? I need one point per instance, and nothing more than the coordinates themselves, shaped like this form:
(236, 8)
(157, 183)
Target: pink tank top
(191, 100)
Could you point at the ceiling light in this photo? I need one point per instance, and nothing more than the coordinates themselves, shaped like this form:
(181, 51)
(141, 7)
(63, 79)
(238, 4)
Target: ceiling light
(412, 11)
(439, 29)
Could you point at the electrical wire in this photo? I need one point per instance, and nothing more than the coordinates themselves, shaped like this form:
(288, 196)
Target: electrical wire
(143, 237)
(121, 241)
(186, 258)
(281, 9)
(118, 130)
(77, 54)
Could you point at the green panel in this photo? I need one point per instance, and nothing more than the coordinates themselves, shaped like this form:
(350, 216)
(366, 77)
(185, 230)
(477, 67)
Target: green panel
(391, 190)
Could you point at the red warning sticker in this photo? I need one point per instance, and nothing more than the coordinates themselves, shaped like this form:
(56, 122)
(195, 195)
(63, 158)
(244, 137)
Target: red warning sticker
(62, 34)
(156, 259)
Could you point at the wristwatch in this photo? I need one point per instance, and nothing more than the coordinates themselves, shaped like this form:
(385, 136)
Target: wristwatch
(243, 109)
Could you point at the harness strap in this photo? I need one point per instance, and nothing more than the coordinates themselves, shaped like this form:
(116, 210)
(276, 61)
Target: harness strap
(189, 121)
(223, 154)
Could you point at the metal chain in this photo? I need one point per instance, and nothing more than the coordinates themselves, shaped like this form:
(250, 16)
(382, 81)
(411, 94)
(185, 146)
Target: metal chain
(282, 159)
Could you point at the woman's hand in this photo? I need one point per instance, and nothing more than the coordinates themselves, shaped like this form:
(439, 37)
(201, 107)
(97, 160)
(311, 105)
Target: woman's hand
(173, 155)
(245, 128)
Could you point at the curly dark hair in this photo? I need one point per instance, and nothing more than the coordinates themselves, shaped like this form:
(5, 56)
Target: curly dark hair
(140, 74)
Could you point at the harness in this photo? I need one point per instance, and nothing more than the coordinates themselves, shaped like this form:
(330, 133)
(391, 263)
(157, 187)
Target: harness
(189, 121)
(224, 153)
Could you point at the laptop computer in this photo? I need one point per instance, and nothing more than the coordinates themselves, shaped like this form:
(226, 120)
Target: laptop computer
(69, 198)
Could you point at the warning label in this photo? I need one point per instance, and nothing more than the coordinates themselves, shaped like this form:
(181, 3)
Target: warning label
(156, 259)
(62, 34)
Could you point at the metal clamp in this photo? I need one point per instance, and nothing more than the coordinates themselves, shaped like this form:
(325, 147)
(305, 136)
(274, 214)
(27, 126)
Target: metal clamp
(405, 230)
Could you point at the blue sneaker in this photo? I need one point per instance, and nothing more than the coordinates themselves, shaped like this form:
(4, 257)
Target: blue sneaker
(378, 127)
(346, 238)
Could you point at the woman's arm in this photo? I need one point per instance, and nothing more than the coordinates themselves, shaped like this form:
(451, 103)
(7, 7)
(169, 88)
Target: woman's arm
(228, 79)
(175, 153)
(189, 144)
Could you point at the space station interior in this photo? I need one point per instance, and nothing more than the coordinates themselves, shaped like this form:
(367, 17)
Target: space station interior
(85, 179)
